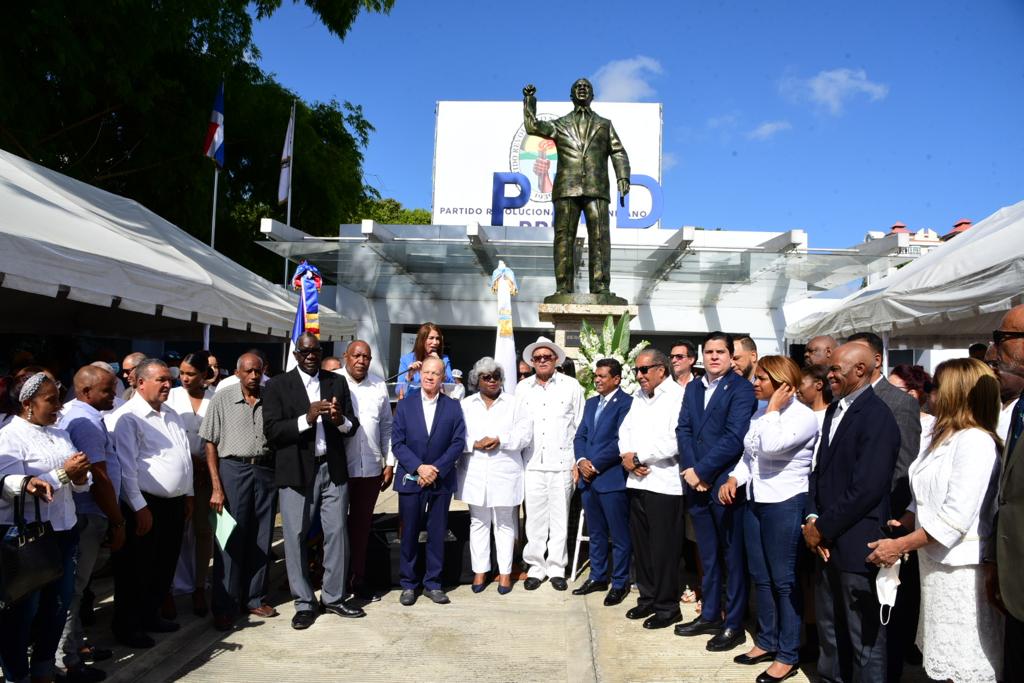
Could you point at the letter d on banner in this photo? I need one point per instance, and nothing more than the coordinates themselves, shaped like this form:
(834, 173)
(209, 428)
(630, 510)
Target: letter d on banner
(622, 213)
(499, 202)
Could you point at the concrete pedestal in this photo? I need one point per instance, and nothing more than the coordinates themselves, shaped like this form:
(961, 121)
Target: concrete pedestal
(567, 318)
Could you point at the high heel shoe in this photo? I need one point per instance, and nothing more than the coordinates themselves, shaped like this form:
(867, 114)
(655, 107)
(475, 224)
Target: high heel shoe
(478, 587)
(504, 590)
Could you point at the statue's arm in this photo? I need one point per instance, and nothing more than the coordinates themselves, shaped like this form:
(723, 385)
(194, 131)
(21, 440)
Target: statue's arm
(533, 126)
(620, 161)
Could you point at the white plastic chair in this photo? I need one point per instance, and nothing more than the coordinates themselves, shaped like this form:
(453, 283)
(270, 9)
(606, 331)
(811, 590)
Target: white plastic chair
(580, 539)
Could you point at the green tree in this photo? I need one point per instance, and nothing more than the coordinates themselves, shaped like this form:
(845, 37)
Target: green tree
(390, 212)
(117, 93)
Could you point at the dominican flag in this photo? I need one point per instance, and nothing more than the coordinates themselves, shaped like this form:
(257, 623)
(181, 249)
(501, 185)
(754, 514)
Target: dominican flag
(307, 281)
(214, 147)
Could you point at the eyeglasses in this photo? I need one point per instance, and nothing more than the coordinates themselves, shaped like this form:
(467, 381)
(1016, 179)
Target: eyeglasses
(642, 369)
(994, 364)
(999, 336)
(489, 378)
(309, 352)
(544, 358)
(524, 374)
(679, 356)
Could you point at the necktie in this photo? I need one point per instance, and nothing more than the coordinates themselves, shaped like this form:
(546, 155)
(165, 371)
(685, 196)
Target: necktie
(600, 408)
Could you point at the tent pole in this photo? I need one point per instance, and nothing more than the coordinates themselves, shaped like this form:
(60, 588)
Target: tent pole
(885, 354)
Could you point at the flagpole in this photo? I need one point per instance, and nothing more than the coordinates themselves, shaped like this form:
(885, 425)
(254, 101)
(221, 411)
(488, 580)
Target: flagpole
(213, 235)
(291, 172)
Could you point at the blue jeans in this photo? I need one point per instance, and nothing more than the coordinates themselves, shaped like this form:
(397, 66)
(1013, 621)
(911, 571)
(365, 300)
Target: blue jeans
(772, 536)
(38, 620)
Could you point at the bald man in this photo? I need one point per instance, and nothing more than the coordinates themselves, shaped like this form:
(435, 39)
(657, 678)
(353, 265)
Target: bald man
(848, 506)
(819, 350)
(99, 516)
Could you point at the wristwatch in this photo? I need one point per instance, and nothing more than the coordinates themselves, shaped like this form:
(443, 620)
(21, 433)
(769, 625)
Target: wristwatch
(636, 461)
(63, 477)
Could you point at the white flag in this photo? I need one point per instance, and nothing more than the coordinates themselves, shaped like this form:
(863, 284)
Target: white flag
(284, 187)
(503, 283)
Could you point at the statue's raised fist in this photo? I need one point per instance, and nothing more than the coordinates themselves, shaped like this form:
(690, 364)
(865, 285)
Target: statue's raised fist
(530, 90)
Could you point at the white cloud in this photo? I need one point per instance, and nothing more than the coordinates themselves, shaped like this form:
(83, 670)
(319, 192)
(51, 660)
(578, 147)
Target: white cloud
(724, 121)
(769, 129)
(832, 89)
(626, 80)
(669, 161)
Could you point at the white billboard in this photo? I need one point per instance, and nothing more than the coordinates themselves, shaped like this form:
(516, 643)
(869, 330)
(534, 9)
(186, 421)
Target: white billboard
(482, 154)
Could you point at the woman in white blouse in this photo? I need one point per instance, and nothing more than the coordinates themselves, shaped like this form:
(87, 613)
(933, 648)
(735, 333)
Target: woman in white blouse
(954, 481)
(775, 466)
(31, 446)
(190, 401)
(490, 474)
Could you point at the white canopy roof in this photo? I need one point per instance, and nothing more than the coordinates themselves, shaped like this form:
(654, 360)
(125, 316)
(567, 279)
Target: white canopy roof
(60, 237)
(952, 296)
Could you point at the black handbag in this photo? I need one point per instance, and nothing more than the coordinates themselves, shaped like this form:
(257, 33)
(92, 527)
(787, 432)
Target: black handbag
(30, 556)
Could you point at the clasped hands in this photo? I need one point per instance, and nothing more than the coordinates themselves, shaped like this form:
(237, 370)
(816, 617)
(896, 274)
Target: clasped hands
(694, 481)
(627, 462)
(886, 551)
(329, 409)
(427, 475)
(488, 443)
(814, 539)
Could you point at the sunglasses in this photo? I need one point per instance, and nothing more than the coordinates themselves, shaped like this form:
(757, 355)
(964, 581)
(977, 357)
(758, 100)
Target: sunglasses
(679, 356)
(642, 369)
(490, 378)
(308, 352)
(999, 336)
(544, 358)
(994, 364)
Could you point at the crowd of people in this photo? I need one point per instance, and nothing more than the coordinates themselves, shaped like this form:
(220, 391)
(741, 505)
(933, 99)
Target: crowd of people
(866, 514)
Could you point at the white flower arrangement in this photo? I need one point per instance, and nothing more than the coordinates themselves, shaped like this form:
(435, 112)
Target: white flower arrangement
(612, 342)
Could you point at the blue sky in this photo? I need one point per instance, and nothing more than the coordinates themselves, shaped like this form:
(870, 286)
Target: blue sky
(836, 118)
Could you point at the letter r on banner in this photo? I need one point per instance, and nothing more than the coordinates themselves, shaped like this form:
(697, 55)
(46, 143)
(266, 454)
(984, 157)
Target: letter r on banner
(499, 202)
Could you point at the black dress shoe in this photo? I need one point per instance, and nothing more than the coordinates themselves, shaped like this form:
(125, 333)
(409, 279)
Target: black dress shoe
(657, 621)
(303, 619)
(343, 610)
(615, 596)
(437, 595)
(91, 653)
(726, 640)
(759, 659)
(408, 597)
(639, 612)
(589, 586)
(698, 627)
(558, 583)
(81, 674)
(532, 583)
(765, 677)
(161, 625)
(134, 639)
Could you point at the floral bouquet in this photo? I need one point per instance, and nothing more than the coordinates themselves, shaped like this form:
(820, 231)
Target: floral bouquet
(612, 342)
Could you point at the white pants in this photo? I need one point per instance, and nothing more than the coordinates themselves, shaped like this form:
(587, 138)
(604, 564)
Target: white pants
(505, 523)
(547, 522)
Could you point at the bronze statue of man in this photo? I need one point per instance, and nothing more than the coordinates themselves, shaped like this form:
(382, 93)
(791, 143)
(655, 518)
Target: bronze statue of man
(585, 142)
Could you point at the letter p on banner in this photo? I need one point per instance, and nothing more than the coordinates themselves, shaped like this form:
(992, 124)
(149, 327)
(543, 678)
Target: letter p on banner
(499, 202)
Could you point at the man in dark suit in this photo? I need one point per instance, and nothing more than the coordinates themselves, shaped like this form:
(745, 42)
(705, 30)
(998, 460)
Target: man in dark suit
(585, 143)
(1004, 552)
(848, 504)
(902, 629)
(427, 438)
(712, 423)
(603, 483)
(306, 413)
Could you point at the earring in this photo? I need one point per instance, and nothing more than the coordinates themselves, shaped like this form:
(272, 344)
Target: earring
(30, 414)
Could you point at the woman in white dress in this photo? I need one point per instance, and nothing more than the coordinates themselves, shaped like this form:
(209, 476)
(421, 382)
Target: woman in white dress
(490, 473)
(954, 481)
(190, 401)
(31, 446)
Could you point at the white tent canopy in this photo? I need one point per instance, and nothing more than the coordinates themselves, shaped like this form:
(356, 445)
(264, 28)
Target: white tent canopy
(60, 237)
(950, 297)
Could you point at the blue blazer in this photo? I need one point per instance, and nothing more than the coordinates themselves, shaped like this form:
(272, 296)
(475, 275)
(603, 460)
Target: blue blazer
(849, 486)
(412, 447)
(600, 444)
(403, 366)
(711, 440)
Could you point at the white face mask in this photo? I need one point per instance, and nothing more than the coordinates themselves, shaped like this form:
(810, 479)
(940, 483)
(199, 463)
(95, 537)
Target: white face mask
(886, 584)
